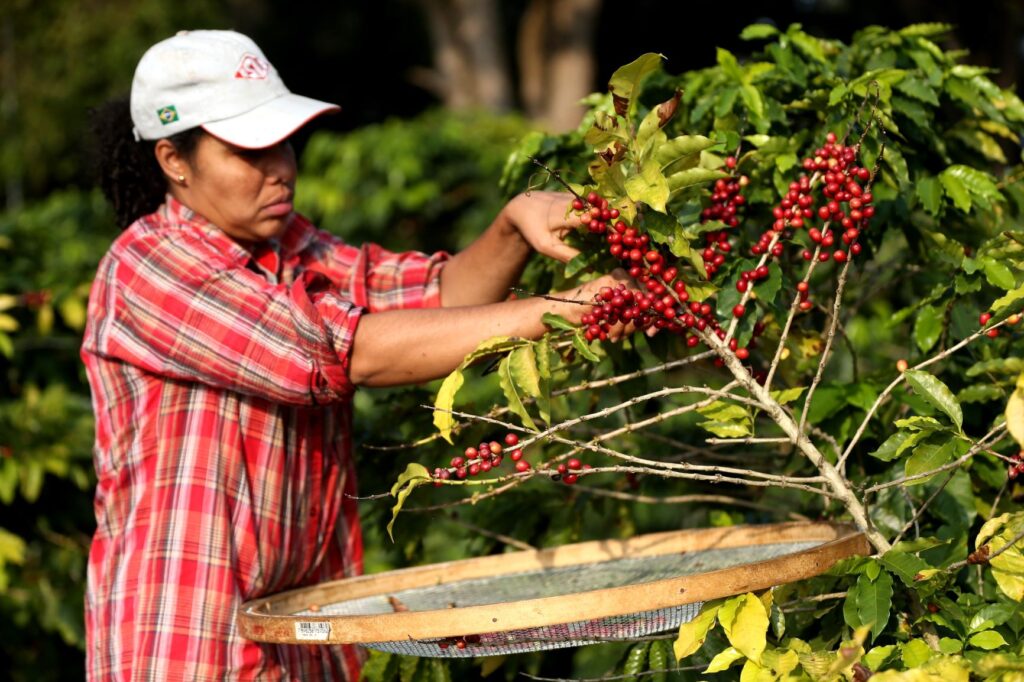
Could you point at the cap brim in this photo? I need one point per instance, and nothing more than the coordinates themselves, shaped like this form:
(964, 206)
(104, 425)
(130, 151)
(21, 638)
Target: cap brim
(269, 123)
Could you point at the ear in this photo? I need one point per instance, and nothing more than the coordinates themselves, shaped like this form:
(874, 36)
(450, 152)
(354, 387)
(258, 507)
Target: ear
(171, 162)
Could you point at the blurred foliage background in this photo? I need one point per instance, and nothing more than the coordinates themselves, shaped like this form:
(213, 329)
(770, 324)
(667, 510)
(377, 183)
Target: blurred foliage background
(398, 167)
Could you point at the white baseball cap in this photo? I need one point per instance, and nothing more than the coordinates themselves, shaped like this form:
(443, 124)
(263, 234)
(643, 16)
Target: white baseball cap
(221, 81)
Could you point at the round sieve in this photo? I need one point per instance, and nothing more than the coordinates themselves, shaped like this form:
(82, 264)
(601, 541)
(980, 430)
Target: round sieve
(553, 598)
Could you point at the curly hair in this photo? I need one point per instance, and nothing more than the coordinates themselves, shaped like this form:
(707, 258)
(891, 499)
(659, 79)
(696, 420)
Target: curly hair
(127, 170)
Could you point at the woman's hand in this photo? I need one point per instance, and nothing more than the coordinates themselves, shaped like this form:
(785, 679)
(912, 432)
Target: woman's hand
(543, 219)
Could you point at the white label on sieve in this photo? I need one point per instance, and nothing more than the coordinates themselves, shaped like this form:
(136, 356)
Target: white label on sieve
(312, 631)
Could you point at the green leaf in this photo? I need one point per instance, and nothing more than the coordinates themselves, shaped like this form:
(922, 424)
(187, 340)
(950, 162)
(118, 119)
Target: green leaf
(877, 656)
(928, 457)
(929, 191)
(635, 661)
(517, 374)
(928, 327)
(682, 152)
(12, 548)
(693, 176)
(650, 185)
(869, 603)
(557, 322)
(915, 653)
(729, 65)
(445, 399)
(758, 32)
(582, 346)
(988, 640)
(837, 94)
(919, 423)
(1011, 365)
(980, 393)
(625, 82)
(980, 184)
(788, 395)
(542, 350)
(928, 29)
(745, 621)
(657, 659)
(693, 633)
(950, 646)
(896, 444)
(998, 275)
(919, 89)
(1008, 300)
(956, 190)
(414, 476)
(904, 565)
(936, 394)
(751, 97)
(723, 659)
(726, 420)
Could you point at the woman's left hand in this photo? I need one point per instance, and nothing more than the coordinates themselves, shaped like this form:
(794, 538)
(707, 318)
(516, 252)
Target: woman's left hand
(543, 219)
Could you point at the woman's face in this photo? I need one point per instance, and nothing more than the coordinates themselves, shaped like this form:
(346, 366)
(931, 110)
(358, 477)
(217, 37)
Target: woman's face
(247, 193)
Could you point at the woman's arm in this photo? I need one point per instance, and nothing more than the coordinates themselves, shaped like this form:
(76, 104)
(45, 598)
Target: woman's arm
(484, 271)
(409, 346)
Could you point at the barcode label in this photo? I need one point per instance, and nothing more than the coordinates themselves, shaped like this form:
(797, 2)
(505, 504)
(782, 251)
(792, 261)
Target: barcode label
(312, 631)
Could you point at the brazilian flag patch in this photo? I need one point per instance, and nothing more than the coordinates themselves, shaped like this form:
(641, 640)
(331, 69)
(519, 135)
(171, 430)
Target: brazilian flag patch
(167, 114)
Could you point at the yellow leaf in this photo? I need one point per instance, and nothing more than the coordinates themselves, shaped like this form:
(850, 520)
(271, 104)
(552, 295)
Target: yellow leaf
(693, 633)
(8, 324)
(746, 625)
(723, 660)
(1015, 413)
(1008, 567)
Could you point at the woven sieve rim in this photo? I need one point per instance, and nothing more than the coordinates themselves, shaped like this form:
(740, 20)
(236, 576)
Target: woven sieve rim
(270, 619)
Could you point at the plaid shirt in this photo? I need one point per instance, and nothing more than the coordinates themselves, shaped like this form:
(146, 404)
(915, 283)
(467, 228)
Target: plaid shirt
(223, 419)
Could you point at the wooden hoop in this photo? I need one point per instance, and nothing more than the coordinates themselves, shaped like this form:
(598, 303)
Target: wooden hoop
(271, 619)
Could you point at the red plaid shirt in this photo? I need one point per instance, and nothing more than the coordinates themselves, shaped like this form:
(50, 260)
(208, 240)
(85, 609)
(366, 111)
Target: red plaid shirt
(220, 385)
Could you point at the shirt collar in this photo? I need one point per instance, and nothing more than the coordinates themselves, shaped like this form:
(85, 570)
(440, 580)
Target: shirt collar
(297, 235)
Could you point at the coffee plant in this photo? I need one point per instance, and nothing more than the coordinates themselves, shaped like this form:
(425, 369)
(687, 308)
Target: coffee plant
(826, 243)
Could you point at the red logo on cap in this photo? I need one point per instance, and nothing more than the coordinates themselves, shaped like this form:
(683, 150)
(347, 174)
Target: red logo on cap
(252, 68)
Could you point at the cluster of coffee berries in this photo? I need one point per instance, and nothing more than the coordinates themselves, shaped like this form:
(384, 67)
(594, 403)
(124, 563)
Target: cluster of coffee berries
(37, 299)
(459, 642)
(726, 204)
(846, 208)
(481, 459)
(1017, 467)
(569, 472)
(595, 213)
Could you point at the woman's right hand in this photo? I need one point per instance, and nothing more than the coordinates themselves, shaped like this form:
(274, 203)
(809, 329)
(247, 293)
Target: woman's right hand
(587, 292)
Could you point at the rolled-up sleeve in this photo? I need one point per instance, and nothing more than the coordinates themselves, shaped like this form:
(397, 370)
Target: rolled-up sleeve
(175, 313)
(377, 279)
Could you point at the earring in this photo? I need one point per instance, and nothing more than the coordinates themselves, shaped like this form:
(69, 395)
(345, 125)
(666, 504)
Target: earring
(181, 179)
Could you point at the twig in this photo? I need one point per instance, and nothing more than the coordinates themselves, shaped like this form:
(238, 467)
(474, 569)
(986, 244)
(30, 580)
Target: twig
(749, 440)
(553, 173)
(582, 386)
(901, 378)
(918, 512)
(955, 464)
(828, 347)
(837, 483)
(956, 566)
(690, 499)
(505, 539)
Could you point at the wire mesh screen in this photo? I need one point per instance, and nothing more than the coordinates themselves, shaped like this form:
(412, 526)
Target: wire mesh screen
(567, 580)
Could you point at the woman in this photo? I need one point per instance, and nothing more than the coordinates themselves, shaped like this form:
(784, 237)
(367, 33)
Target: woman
(225, 337)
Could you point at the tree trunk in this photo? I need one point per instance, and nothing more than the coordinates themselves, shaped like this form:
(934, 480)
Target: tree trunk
(470, 69)
(554, 49)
